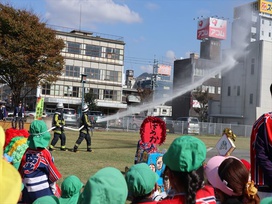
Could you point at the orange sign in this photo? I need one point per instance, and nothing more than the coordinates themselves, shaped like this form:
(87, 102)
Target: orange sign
(265, 6)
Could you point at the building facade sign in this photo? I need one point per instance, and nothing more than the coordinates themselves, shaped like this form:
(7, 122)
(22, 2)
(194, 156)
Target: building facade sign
(164, 70)
(212, 28)
(265, 6)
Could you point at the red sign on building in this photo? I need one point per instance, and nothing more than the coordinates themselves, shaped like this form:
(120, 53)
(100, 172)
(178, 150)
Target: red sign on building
(212, 28)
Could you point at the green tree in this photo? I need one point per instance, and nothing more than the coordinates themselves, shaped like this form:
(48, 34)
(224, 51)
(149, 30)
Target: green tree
(30, 53)
(202, 97)
(89, 98)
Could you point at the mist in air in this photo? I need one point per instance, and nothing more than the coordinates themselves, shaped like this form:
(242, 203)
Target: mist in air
(230, 59)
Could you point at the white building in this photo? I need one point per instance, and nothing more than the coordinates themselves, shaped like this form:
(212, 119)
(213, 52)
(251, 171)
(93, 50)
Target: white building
(101, 58)
(245, 89)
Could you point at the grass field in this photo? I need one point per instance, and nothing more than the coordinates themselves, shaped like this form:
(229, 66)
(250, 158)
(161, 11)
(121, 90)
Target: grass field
(115, 149)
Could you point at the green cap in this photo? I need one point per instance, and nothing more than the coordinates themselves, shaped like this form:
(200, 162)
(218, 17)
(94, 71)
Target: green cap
(46, 200)
(267, 200)
(141, 179)
(107, 186)
(70, 190)
(39, 136)
(185, 154)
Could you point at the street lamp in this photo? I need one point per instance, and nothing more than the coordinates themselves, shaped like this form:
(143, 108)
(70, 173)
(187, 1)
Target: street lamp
(83, 80)
(68, 93)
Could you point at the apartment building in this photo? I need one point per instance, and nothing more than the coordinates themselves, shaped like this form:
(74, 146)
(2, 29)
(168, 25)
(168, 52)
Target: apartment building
(94, 63)
(245, 88)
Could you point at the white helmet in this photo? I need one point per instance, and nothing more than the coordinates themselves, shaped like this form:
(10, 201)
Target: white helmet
(60, 105)
(85, 108)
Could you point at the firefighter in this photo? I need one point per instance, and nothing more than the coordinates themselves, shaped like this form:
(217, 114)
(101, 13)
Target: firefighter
(84, 132)
(58, 122)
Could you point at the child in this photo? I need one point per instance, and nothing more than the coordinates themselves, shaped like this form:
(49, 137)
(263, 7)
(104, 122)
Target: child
(141, 181)
(37, 168)
(229, 177)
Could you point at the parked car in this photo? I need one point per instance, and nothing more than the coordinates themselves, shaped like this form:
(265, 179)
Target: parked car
(136, 121)
(70, 117)
(33, 114)
(169, 123)
(98, 115)
(187, 125)
(10, 117)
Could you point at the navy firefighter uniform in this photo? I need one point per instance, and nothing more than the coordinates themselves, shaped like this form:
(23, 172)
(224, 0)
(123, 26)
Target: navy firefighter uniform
(84, 132)
(58, 122)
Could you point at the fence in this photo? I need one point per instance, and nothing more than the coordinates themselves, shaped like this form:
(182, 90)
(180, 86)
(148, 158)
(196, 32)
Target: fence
(132, 124)
(128, 124)
(217, 129)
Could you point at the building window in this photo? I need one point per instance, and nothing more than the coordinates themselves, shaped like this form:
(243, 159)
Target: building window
(262, 21)
(55, 90)
(218, 90)
(112, 53)
(46, 89)
(113, 76)
(93, 50)
(68, 90)
(228, 90)
(75, 91)
(238, 90)
(262, 32)
(269, 34)
(251, 99)
(92, 73)
(73, 71)
(74, 47)
(110, 95)
(211, 89)
(94, 93)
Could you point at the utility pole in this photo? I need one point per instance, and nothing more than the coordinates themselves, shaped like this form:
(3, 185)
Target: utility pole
(154, 77)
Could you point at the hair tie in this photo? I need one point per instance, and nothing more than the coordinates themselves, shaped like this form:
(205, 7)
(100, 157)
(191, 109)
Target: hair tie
(251, 190)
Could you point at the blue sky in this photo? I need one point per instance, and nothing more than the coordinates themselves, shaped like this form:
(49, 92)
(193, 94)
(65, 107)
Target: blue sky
(164, 30)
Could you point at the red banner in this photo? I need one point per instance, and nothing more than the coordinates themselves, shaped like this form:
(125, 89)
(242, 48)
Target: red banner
(153, 130)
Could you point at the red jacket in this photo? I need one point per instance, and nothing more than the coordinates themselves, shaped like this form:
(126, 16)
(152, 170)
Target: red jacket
(203, 196)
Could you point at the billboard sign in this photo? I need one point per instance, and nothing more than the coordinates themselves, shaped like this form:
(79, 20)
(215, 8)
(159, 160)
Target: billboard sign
(164, 70)
(265, 6)
(212, 28)
(203, 29)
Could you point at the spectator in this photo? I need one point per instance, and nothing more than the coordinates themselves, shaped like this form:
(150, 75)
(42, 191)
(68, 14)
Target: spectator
(18, 116)
(260, 154)
(37, 168)
(58, 122)
(267, 200)
(107, 186)
(70, 190)
(229, 177)
(184, 168)
(144, 148)
(3, 112)
(141, 181)
(10, 179)
(47, 200)
(248, 166)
